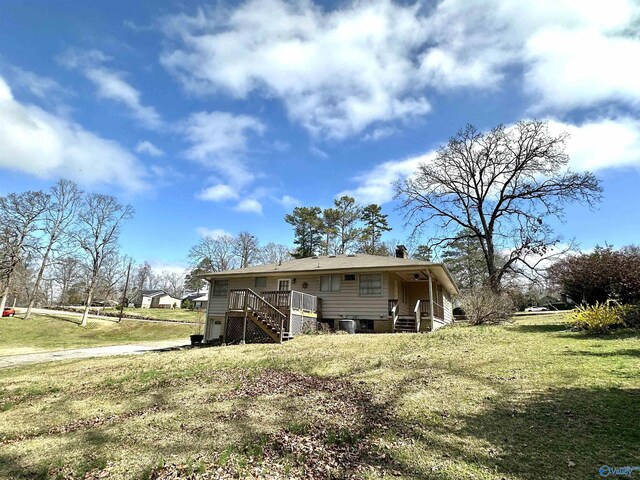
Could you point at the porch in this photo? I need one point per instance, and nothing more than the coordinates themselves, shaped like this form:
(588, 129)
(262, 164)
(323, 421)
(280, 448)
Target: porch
(419, 303)
(271, 316)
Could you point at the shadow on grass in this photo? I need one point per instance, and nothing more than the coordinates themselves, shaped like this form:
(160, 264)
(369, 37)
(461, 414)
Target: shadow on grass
(539, 328)
(627, 352)
(562, 433)
(619, 334)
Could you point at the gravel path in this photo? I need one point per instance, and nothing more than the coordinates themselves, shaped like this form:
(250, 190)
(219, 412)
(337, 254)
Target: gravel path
(129, 349)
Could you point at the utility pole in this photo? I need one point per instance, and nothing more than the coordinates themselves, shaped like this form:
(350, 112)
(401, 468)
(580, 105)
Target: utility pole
(124, 294)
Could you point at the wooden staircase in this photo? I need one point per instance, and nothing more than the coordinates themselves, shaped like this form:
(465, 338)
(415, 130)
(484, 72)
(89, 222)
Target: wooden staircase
(261, 313)
(261, 320)
(406, 323)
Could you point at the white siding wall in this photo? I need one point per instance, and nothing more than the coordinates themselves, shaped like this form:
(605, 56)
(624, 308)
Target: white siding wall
(448, 308)
(345, 302)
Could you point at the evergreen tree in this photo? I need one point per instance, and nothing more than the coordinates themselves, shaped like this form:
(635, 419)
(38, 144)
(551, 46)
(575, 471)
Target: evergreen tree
(307, 226)
(375, 223)
(347, 231)
(465, 261)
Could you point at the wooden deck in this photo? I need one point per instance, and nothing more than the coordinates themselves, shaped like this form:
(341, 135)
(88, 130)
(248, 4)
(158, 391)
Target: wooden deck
(280, 315)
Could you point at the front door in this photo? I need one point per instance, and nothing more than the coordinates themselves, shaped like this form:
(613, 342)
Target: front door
(284, 284)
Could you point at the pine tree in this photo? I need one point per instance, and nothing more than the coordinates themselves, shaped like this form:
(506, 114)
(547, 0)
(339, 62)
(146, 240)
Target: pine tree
(307, 226)
(375, 223)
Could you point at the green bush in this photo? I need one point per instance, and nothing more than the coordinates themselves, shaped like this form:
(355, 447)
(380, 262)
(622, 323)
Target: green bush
(598, 318)
(631, 315)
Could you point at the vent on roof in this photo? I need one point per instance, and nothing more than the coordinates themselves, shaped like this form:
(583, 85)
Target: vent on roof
(332, 256)
(351, 255)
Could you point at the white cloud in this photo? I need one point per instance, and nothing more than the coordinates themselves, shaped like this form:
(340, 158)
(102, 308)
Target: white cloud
(287, 201)
(159, 266)
(318, 153)
(219, 141)
(38, 85)
(249, 205)
(336, 72)
(148, 148)
(574, 53)
(110, 84)
(603, 143)
(218, 192)
(376, 186)
(45, 145)
(363, 67)
(212, 232)
(571, 69)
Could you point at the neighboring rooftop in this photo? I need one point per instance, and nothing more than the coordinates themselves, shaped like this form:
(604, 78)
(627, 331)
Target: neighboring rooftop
(151, 293)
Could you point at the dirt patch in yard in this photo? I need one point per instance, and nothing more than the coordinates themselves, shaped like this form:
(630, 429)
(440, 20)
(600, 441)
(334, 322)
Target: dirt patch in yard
(336, 441)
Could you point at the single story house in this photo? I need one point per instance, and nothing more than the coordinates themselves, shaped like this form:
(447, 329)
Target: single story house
(201, 302)
(154, 299)
(275, 302)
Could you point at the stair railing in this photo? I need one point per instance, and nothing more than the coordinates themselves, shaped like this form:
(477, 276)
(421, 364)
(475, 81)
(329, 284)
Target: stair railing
(248, 300)
(394, 315)
(416, 312)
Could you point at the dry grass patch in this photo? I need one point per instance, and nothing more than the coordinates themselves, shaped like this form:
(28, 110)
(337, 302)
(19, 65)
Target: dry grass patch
(528, 400)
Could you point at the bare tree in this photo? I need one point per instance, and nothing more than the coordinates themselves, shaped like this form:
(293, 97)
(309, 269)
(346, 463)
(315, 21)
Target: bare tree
(274, 253)
(246, 248)
(142, 276)
(99, 220)
(65, 270)
(60, 214)
(502, 187)
(173, 283)
(20, 215)
(214, 253)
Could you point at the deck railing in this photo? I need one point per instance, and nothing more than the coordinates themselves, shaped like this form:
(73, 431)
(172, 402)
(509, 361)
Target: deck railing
(292, 299)
(438, 309)
(246, 299)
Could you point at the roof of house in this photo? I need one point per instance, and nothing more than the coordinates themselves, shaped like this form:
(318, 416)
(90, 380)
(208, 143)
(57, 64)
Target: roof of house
(202, 298)
(360, 262)
(151, 293)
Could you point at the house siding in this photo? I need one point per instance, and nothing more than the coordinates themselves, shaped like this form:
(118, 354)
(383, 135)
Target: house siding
(345, 303)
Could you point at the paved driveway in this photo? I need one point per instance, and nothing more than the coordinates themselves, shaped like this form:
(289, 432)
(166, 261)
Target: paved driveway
(130, 349)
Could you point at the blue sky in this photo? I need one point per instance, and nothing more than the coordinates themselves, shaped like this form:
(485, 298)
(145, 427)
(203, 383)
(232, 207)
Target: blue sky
(211, 117)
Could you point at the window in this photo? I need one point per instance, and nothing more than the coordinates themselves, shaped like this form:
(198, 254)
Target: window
(284, 284)
(261, 282)
(370, 284)
(220, 288)
(350, 277)
(329, 283)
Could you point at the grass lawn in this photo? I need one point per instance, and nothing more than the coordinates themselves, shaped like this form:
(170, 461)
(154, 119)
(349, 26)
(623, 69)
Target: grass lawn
(60, 332)
(528, 400)
(176, 314)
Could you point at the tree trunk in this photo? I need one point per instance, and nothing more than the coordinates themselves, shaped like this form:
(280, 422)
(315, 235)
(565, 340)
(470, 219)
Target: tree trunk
(37, 283)
(85, 314)
(5, 294)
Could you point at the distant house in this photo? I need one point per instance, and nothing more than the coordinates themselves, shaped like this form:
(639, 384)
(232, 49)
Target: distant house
(201, 302)
(275, 302)
(154, 299)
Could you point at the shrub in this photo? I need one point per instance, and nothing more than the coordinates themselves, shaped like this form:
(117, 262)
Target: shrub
(598, 318)
(482, 305)
(631, 315)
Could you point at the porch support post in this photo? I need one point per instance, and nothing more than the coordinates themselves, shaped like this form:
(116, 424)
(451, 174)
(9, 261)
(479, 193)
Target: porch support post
(244, 330)
(430, 299)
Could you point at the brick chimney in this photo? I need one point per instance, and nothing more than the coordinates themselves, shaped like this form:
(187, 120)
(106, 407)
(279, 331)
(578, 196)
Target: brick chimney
(401, 252)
